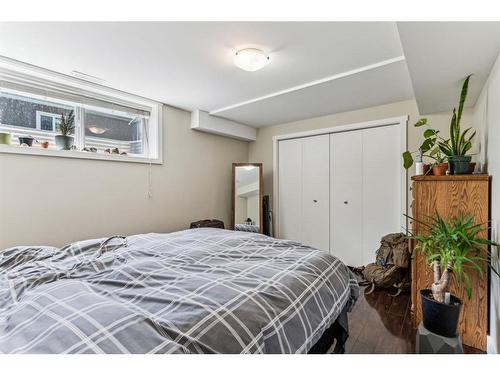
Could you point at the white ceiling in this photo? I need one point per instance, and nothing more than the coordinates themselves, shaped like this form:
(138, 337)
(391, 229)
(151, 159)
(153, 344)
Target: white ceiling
(315, 68)
(439, 56)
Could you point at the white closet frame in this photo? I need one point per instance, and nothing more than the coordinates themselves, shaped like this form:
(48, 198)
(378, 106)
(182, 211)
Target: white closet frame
(401, 121)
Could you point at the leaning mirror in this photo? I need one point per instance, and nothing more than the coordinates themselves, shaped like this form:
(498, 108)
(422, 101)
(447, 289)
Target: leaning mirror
(247, 197)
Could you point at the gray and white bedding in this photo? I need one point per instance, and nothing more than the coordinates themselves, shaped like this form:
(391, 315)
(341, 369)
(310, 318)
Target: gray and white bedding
(247, 228)
(196, 291)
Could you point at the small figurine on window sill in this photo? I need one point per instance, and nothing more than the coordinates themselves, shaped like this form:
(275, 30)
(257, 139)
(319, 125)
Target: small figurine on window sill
(115, 151)
(248, 221)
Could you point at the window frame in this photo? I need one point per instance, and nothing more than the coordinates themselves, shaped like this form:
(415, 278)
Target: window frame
(14, 71)
(54, 117)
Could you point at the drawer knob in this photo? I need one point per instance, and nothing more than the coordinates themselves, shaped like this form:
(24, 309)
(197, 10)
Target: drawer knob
(315, 200)
(346, 202)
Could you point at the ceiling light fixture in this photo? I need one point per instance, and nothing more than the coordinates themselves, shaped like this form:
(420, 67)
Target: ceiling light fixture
(250, 59)
(96, 130)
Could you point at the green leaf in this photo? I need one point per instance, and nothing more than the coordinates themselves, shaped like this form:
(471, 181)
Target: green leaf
(453, 136)
(429, 133)
(463, 97)
(445, 148)
(421, 122)
(435, 151)
(427, 144)
(407, 159)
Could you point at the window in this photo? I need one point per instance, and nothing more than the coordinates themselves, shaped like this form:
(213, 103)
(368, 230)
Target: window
(109, 124)
(47, 121)
(121, 132)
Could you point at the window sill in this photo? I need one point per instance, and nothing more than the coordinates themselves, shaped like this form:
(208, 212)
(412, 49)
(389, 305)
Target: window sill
(38, 151)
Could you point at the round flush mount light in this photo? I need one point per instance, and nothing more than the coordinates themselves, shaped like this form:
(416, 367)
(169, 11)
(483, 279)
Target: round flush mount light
(250, 59)
(96, 130)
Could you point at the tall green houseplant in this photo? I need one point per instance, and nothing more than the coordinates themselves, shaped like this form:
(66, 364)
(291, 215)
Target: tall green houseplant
(453, 248)
(455, 148)
(460, 142)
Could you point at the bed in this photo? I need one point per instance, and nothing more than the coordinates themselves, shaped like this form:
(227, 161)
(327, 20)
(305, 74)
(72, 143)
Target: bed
(247, 228)
(196, 291)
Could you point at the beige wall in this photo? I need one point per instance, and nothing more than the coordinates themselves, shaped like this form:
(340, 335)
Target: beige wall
(261, 150)
(79, 199)
(487, 119)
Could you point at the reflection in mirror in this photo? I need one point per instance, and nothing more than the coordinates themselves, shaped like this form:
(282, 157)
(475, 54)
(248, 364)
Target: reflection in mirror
(247, 199)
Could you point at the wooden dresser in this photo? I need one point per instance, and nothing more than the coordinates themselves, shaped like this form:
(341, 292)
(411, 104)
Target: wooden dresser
(468, 194)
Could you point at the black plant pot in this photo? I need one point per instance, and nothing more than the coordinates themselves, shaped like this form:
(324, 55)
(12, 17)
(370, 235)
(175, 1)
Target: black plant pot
(26, 141)
(438, 317)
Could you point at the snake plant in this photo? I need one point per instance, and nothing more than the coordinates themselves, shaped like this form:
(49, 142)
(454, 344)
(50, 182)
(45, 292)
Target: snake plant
(459, 143)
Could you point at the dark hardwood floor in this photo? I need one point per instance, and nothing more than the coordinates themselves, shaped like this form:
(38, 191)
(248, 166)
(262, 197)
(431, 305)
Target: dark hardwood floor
(381, 324)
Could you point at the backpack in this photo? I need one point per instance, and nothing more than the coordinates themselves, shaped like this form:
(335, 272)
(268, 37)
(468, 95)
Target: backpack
(391, 266)
(208, 223)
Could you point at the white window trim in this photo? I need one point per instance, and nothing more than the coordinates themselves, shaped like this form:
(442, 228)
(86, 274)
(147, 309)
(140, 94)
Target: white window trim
(39, 115)
(16, 70)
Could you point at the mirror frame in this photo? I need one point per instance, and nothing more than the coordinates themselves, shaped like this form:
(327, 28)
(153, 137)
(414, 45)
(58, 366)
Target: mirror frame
(261, 193)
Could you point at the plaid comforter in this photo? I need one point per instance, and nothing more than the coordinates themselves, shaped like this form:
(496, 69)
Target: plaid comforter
(196, 291)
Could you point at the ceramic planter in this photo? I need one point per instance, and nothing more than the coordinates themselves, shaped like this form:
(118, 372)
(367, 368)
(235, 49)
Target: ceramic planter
(64, 142)
(5, 138)
(440, 169)
(460, 164)
(440, 318)
(26, 141)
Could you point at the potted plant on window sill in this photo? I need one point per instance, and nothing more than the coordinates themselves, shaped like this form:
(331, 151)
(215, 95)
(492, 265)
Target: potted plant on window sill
(453, 249)
(64, 141)
(5, 138)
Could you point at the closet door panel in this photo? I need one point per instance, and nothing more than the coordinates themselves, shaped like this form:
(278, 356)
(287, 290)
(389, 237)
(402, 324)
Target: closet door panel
(381, 186)
(315, 191)
(290, 189)
(345, 197)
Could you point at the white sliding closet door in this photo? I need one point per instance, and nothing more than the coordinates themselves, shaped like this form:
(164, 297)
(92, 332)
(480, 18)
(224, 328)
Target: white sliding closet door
(342, 192)
(315, 191)
(365, 191)
(382, 187)
(346, 168)
(290, 189)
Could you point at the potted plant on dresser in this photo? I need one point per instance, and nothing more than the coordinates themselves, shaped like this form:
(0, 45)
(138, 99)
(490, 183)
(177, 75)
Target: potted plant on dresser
(428, 149)
(64, 141)
(460, 142)
(440, 166)
(453, 149)
(453, 249)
